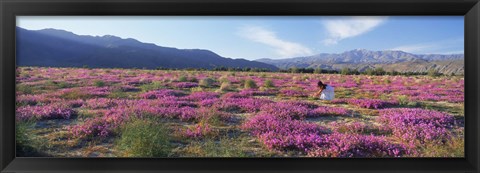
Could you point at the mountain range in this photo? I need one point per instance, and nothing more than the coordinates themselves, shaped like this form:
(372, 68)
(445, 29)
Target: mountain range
(363, 59)
(59, 48)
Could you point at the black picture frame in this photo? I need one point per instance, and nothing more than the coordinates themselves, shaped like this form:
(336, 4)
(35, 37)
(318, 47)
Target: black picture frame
(470, 9)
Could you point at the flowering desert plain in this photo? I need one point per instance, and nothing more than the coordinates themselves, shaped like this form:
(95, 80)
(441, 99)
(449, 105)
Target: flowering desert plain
(82, 112)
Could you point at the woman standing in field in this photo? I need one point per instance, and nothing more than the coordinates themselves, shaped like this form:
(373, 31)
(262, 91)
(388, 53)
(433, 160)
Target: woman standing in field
(326, 92)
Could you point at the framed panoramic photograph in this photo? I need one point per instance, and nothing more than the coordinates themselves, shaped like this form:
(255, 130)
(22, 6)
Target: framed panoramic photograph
(239, 86)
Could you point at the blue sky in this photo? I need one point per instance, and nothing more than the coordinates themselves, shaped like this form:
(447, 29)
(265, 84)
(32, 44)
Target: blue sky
(273, 37)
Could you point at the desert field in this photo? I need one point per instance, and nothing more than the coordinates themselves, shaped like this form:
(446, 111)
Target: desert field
(82, 112)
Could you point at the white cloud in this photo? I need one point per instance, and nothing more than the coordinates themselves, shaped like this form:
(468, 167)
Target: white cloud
(345, 27)
(450, 46)
(282, 47)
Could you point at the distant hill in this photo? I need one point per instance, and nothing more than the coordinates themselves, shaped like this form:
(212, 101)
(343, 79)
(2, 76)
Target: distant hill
(362, 59)
(58, 48)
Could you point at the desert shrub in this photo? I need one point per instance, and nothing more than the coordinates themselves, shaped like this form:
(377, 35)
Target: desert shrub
(269, 84)
(99, 83)
(403, 100)
(207, 82)
(225, 86)
(182, 79)
(345, 71)
(144, 138)
(249, 84)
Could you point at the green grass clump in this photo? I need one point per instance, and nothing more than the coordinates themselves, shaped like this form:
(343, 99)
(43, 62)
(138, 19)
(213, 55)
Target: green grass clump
(85, 113)
(250, 84)
(269, 84)
(212, 116)
(224, 147)
(99, 83)
(57, 84)
(26, 143)
(119, 95)
(21, 133)
(182, 79)
(152, 86)
(403, 100)
(75, 94)
(24, 89)
(451, 148)
(144, 138)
